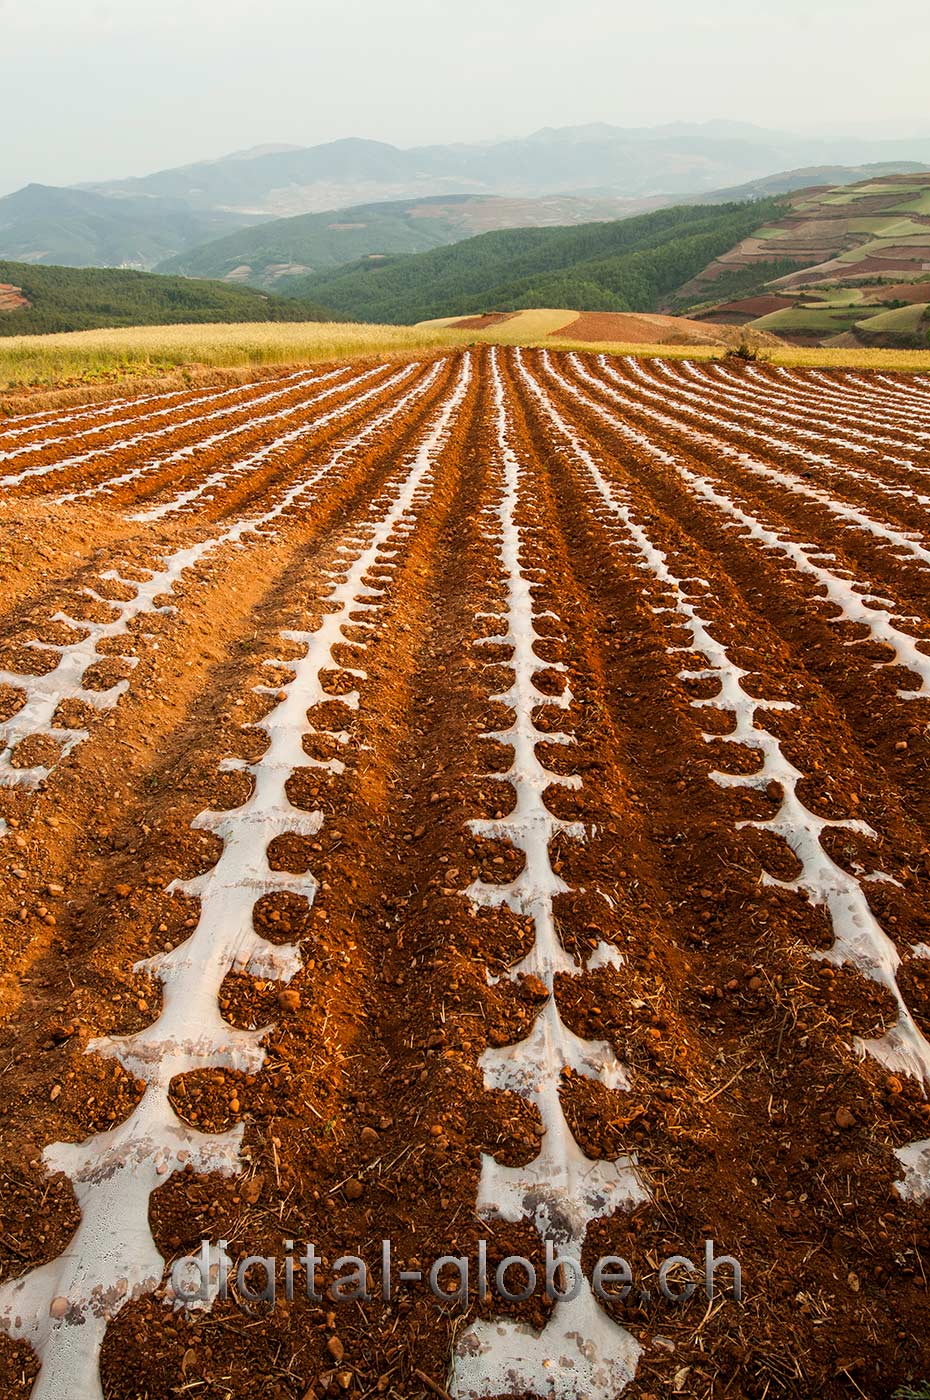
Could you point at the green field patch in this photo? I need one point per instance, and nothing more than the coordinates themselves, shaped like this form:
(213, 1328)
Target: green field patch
(920, 205)
(810, 320)
(846, 199)
(836, 296)
(874, 223)
(907, 228)
(891, 187)
(878, 248)
(903, 319)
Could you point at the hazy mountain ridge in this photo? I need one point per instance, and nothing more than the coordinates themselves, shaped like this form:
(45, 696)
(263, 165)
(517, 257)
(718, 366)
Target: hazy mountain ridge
(79, 228)
(271, 254)
(600, 161)
(155, 220)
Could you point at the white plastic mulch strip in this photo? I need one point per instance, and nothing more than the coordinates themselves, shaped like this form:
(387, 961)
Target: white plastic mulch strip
(64, 1307)
(908, 542)
(915, 1159)
(860, 941)
(303, 378)
(855, 602)
(875, 406)
(857, 416)
(24, 423)
(254, 459)
(44, 693)
(580, 1351)
(742, 407)
(147, 467)
(915, 393)
(859, 938)
(781, 409)
(878, 395)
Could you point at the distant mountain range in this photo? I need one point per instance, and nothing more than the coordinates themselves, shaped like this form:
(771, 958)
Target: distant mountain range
(595, 162)
(77, 228)
(591, 171)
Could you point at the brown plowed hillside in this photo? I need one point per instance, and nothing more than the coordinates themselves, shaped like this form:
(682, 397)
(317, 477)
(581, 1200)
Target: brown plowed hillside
(480, 800)
(637, 329)
(900, 291)
(481, 323)
(11, 298)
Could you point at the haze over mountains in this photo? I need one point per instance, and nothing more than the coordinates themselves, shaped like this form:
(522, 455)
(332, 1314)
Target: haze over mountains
(146, 221)
(78, 228)
(596, 161)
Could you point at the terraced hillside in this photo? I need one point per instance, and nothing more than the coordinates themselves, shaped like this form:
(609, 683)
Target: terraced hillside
(838, 263)
(476, 799)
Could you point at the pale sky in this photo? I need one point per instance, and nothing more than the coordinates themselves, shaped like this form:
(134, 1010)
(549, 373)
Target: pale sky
(98, 89)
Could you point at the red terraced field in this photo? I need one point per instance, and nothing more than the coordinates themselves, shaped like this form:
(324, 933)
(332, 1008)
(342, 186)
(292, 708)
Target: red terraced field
(475, 800)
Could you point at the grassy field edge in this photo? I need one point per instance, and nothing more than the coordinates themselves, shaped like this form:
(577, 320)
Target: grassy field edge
(84, 365)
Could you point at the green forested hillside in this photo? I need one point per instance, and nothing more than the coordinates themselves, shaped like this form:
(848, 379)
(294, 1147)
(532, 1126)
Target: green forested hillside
(628, 265)
(270, 255)
(77, 299)
(312, 243)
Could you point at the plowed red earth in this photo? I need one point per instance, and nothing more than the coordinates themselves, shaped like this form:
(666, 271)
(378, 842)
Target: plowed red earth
(898, 291)
(11, 298)
(636, 329)
(481, 323)
(756, 306)
(640, 504)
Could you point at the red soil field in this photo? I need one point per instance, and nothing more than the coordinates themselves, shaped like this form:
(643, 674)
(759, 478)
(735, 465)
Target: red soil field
(11, 298)
(758, 306)
(483, 799)
(635, 328)
(890, 263)
(912, 252)
(914, 292)
(481, 323)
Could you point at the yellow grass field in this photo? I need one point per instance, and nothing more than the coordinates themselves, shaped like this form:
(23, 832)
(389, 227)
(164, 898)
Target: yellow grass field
(525, 326)
(84, 364)
(49, 359)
